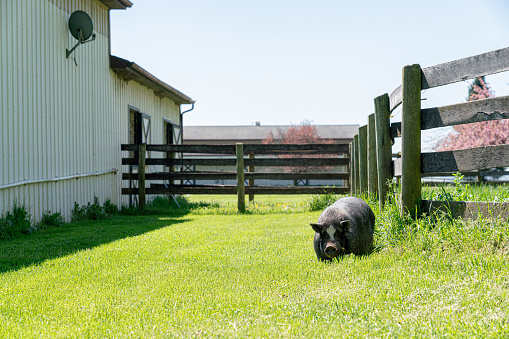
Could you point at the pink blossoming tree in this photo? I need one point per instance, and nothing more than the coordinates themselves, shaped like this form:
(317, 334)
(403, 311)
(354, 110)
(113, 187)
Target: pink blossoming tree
(477, 134)
(305, 133)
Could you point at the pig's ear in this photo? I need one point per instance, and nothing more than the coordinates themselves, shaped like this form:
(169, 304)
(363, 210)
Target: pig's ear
(346, 225)
(317, 227)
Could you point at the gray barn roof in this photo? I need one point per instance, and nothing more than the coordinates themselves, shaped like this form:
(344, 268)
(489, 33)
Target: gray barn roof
(232, 133)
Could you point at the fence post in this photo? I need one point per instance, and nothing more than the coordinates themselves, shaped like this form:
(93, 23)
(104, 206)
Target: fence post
(357, 176)
(251, 169)
(241, 191)
(411, 140)
(356, 154)
(372, 161)
(350, 168)
(142, 151)
(383, 146)
(363, 158)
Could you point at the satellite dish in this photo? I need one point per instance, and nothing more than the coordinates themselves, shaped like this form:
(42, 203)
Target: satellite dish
(81, 28)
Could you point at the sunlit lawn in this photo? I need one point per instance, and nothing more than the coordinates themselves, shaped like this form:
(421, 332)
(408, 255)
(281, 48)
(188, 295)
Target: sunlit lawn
(267, 199)
(213, 275)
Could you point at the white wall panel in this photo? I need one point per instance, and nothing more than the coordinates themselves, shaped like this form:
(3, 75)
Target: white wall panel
(58, 119)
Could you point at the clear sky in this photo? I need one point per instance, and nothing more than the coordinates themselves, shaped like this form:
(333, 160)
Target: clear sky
(285, 61)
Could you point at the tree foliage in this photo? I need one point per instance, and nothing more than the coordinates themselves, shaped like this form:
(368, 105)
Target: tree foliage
(305, 133)
(477, 134)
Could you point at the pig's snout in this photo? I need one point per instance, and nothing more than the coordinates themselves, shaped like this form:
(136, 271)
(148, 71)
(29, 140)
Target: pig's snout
(331, 250)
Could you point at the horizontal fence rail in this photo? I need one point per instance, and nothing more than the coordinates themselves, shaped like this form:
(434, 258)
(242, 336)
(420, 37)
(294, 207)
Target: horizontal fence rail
(232, 189)
(298, 161)
(412, 165)
(458, 70)
(270, 149)
(315, 162)
(233, 175)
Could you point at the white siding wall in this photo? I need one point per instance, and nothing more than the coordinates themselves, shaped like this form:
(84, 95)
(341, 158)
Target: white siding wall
(58, 119)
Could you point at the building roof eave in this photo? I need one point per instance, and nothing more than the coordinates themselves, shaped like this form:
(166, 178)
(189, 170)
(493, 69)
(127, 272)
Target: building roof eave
(129, 70)
(117, 4)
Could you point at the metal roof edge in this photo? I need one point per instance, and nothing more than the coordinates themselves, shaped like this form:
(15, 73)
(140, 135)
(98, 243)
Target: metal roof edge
(131, 71)
(117, 4)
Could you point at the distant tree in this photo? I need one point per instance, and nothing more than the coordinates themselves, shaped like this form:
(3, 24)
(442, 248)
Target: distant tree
(305, 133)
(477, 134)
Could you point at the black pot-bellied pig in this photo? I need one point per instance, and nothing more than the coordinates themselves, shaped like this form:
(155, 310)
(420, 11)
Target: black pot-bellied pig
(345, 227)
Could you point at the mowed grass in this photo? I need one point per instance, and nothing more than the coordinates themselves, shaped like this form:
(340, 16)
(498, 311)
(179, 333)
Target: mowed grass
(254, 275)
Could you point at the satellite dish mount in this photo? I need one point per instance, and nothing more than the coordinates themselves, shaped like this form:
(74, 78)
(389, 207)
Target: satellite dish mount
(81, 28)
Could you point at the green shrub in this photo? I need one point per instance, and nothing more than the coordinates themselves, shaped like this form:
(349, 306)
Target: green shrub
(78, 213)
(14, 223)
(49, 220)
(321, 201)
(109, 208)
(93, 211)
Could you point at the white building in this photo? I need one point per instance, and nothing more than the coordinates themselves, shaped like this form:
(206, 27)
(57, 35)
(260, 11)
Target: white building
(63, 119)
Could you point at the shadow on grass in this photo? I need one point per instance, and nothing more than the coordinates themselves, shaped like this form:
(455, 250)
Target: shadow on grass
(70, 238)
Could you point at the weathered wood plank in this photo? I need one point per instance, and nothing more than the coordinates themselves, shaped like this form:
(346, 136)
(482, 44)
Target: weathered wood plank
(184, 189)
(395, 130)
(232, 190)
(465, 160)
(372, 161)
(363, 159)
(241, 191)
(395, 98)
(233, 175)
(181, 162)
(357, 172)
(297, 162)
(212, 175)
(248, 148)
(298, 176)
(141, 175)
(397, 166)
(411, 140)
(296, 148)
(248, 162)
(351, 169)
(383, 146)
(213, 149)
(296, 190)
(251, 169)
(466, 68)
(464, 113)
(450, 174)
(458, 70)
(466, 209)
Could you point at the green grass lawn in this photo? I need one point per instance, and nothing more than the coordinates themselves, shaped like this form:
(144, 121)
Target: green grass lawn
(254, 275)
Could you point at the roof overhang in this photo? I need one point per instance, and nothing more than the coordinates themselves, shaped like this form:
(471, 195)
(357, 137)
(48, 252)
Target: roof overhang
(128, 70)
(117, 4)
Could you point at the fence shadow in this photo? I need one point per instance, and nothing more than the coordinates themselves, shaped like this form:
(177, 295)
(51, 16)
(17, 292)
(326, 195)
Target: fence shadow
(71, 238)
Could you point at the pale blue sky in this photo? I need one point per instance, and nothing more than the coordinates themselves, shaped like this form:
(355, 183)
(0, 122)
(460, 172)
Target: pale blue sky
(282, 61)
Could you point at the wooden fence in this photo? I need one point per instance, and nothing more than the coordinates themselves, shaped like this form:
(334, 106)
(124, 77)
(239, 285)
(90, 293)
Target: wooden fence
(314, 156)
(413, 165)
